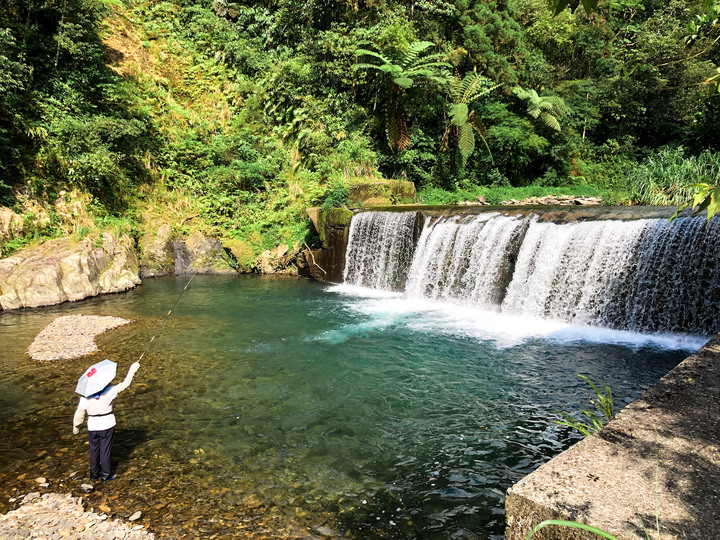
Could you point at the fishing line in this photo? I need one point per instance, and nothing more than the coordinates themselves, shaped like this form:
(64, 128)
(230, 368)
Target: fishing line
(166, 317)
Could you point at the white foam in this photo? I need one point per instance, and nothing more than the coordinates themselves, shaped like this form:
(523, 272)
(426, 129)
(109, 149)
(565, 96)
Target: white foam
(382, 309)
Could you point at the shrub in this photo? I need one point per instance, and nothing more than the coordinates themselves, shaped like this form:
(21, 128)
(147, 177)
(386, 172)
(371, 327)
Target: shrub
(669, 177)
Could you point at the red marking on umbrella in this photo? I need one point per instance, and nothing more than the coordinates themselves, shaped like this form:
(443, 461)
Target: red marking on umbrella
(92, 372)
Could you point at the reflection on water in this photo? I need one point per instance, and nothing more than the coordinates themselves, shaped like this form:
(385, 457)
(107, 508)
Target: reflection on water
(267, 406)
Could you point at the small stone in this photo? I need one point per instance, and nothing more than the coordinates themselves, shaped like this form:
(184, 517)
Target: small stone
(40, 480)
(104, 508)
(137, 515)
(87, 488)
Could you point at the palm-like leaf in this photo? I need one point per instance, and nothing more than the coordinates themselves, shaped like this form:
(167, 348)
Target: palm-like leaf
(465, 142)
(547, 108)
(459, 113)
(550, 121)
(460, 133)
(413, 52)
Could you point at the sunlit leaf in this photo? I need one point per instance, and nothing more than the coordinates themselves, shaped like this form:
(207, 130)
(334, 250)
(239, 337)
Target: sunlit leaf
(571, 524)
(459, 113)
(404, 82)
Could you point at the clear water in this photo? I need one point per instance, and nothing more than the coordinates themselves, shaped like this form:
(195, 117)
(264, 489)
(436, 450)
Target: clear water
(267, 406)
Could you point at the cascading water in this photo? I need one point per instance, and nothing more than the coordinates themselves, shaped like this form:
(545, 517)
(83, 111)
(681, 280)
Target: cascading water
(465, 259)
(382, 244)
(645, 275)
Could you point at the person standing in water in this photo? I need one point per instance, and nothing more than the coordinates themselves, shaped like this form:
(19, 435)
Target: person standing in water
(101, 425)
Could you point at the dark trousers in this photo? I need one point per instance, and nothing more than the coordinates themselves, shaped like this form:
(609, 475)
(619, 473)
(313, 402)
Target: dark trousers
(100, 447)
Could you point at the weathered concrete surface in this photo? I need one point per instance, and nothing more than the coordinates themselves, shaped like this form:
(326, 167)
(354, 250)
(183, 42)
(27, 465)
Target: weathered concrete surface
(660, 458)
(333, 227)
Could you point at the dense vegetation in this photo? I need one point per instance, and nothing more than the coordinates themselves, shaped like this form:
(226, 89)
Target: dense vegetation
(247, 112)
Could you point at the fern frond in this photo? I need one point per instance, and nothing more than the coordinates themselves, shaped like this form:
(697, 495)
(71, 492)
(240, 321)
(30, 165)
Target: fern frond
(466, 141)
(550, 121)
(458, 114)
(413, 52)
(366, 52)
(397, 132)
(355, 67)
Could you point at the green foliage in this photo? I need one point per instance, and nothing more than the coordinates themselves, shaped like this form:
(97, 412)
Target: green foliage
(336, 196)
(459, 136)
(570, 524)
(404, 72)
(499, 194)
(547, 108)
(253, 111)
(604, 405)
(669, 177)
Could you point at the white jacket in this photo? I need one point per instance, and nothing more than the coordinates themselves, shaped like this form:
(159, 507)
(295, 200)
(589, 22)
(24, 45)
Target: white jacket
(99, 409)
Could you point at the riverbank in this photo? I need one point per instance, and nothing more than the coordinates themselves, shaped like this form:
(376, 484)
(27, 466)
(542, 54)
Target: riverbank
(657, 465)
(55, 515)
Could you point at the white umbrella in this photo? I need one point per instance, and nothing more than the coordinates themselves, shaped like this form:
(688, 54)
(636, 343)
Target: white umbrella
(96, 377)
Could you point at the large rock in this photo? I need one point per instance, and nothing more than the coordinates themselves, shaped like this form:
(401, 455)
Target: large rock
(61, 270)
(281, 260)
(11, 223)
(156, 252)
(201, 254)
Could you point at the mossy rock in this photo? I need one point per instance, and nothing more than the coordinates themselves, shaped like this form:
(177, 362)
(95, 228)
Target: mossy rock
(329, 218)
(243, 253)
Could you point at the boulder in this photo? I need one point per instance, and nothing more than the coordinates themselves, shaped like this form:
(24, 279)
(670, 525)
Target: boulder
(61, 270)
(201, 254)
(281, 260)
(156, 252)
(11, 224)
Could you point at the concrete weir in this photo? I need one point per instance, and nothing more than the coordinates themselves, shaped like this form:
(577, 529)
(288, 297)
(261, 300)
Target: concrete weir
(658, 460)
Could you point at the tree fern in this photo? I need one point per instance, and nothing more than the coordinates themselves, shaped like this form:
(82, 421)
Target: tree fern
(403, 73)
(459, 136)
(546, 108)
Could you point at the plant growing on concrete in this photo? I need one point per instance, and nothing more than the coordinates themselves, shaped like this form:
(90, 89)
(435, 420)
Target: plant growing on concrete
(604, 405)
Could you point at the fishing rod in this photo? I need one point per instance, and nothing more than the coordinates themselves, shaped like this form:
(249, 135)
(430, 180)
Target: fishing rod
(166, 317)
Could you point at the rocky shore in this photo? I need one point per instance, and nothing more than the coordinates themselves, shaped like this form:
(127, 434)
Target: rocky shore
(60, 516)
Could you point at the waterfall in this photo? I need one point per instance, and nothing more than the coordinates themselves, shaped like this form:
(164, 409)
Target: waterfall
(643, 275)
(465, 259)
(382, 245)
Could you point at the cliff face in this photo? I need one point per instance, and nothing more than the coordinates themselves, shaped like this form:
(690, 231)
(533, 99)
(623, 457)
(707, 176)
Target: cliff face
(61, 270)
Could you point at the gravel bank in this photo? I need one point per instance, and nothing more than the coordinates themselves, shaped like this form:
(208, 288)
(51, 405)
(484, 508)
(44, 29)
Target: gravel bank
(71, 336)
(57, 516)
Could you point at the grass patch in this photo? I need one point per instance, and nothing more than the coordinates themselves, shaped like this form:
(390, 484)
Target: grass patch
(497, 195)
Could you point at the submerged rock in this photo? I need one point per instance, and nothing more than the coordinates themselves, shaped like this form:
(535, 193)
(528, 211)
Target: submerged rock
(63, 516)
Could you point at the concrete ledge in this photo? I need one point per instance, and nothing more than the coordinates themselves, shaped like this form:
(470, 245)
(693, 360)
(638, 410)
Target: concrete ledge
(659, 457)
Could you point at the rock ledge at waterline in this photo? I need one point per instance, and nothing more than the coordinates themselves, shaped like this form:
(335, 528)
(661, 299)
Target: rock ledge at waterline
(61, 270)
(659, 458)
